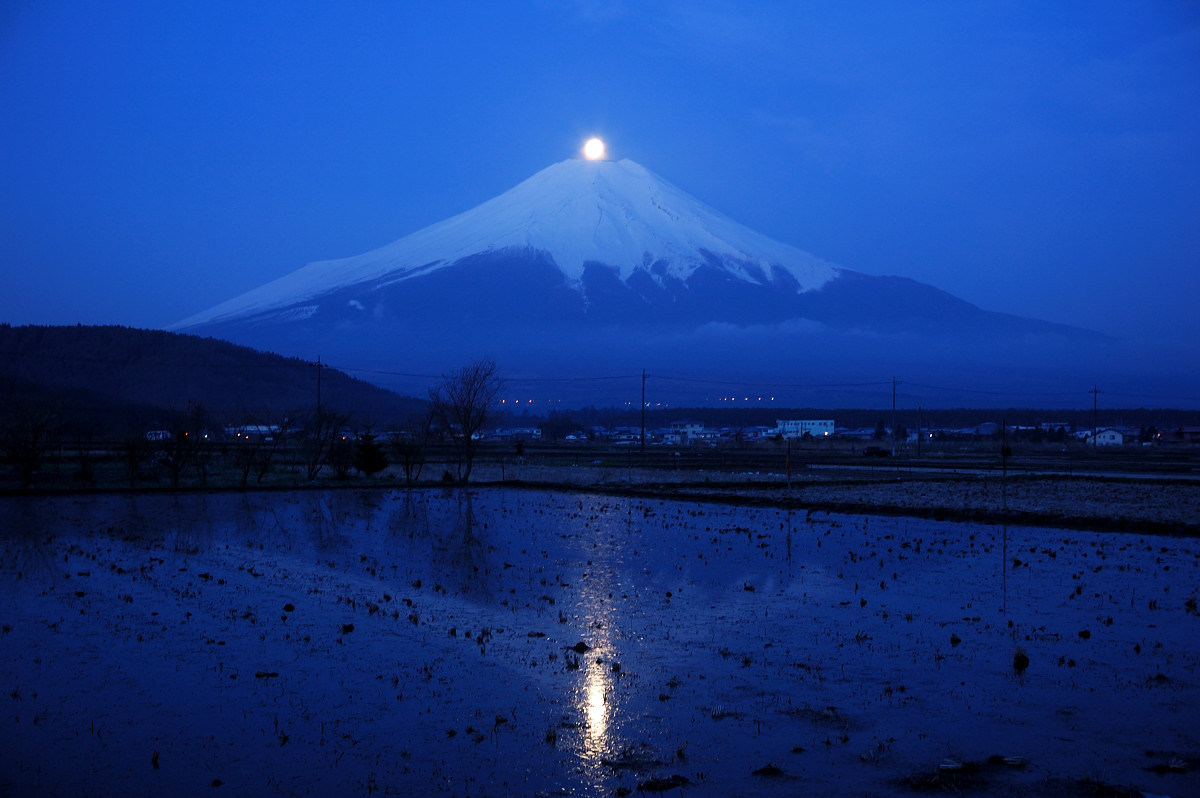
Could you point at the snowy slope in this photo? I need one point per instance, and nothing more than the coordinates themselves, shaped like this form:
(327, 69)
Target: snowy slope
(615, 213)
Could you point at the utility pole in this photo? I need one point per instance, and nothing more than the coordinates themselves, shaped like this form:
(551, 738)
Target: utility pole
(319, 367)
(1095, 392)
(893, 416)
(919, 436)
(643, 414)
(788, 464)
(1004, 453)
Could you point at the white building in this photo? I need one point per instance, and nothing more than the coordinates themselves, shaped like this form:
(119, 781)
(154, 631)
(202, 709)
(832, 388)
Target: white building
(1106, 437)
(684, 432)
(517, 434)
(796, 428)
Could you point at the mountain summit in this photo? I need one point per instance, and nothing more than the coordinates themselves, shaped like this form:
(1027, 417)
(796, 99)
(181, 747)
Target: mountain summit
(591, 265)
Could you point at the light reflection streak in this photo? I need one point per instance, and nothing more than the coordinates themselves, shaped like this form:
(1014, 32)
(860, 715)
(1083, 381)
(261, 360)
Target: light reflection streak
(597, 707)
(593, 695)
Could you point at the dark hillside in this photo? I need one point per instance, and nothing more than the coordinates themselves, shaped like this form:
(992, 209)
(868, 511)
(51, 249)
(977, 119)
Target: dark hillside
(111, 376)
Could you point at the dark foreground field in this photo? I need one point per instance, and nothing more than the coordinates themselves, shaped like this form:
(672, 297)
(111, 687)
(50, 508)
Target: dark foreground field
(502, 641)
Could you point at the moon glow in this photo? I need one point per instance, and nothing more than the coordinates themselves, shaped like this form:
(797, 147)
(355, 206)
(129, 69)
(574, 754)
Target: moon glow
(593, 149)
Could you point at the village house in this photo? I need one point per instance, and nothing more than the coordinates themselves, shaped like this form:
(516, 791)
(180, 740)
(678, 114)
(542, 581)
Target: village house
(517, 434)
(253, 432)
(1106, 437)
(682, 433)
(798, 428)
(1178, 436)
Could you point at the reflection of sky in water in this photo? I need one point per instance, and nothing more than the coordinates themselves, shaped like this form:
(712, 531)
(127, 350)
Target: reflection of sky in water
(755, 611)
(488, 557)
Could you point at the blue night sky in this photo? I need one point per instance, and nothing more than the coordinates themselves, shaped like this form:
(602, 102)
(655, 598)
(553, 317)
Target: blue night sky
(1030, 157)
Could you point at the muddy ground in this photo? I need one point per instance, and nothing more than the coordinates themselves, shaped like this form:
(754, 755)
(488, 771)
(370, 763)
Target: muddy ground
(505, 641)
(1167, 505)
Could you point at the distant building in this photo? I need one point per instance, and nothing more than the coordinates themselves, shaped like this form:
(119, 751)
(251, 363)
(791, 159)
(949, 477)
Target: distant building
(1179, 435)
(517, 434)
(253, 432)
(758, 433)
(798, 427)
(684, 432)
(1106, 437)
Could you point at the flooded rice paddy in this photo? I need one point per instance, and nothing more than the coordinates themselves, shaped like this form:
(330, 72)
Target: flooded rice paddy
(509, 642)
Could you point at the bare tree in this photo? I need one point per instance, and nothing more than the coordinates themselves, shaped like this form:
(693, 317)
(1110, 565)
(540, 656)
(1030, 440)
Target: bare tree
(245, 454)
(322, 431)
(181, 443)
(203, 456)
(408, 445)
(258, 443)
(341, 454)
(286, 424)
(462, 404)
(135, 451)
(26, 435)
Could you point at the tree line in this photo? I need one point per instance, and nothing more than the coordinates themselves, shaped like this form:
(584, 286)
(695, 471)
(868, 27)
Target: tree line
(191, 440)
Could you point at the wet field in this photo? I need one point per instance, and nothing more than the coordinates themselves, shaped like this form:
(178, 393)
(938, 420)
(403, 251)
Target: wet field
(497, 641)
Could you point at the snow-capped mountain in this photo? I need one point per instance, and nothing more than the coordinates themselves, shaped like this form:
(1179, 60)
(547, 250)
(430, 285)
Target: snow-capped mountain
(603, 264)
(614, 216)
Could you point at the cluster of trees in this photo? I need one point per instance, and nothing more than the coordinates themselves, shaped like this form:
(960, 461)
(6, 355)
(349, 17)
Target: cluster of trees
(187, 441)
(26, 433)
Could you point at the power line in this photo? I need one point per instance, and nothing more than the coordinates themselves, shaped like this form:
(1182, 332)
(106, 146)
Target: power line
(571, 379)
(993, 393)
(348, 369)
(743, 384)
(1152, 396)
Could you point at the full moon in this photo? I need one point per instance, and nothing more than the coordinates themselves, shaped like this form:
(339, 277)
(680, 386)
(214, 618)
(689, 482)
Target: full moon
(593, 150)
